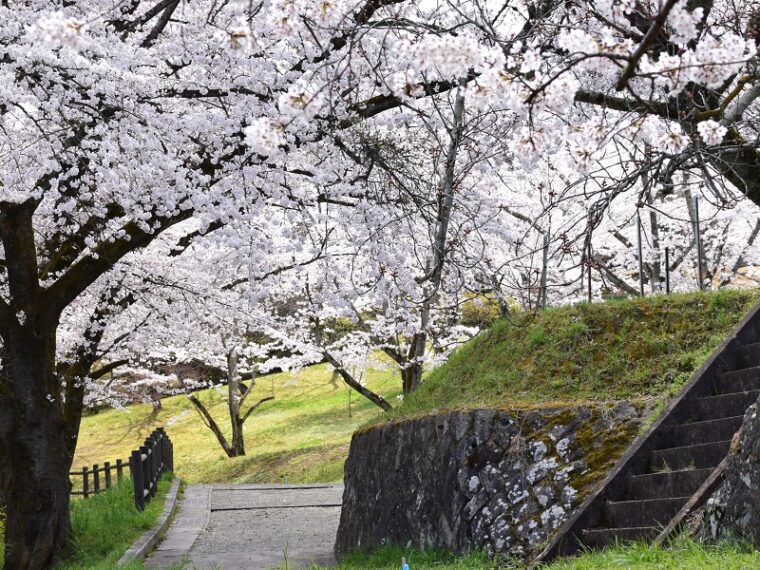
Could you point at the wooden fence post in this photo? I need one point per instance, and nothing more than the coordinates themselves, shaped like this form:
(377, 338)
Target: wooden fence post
(164, 449)
(145, 452)
(85, 482)
(95, 479)
(107, 469)
(119, 470)
(136, 470)
(156, 464)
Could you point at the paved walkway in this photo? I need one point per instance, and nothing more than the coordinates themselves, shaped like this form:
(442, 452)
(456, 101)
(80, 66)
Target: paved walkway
(252, 527)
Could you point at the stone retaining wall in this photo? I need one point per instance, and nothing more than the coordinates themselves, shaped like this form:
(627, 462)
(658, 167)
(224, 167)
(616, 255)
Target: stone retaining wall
(485, 479)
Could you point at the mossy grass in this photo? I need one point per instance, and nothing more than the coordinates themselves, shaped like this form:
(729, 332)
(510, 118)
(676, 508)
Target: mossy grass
(105, 525)
(621, 349)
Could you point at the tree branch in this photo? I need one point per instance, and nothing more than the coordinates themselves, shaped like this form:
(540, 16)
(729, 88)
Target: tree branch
(171, 6)
(351, 381)
(623, 104)
(208, 420)
(253, 408)
(87, 270)
(103, 370)
(649, 38)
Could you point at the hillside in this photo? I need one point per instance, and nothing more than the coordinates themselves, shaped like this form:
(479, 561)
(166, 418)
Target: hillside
(622, 349)
(302, 436)
(629, 349)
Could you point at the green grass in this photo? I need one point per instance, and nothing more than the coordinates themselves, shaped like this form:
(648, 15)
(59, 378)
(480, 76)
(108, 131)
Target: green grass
(623, 349)
(683, 554)
(302, 436)
(389, 558)
(105, 525)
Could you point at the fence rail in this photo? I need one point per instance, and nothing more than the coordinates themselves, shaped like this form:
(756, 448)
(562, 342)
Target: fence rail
(146, 465)
(94, 472)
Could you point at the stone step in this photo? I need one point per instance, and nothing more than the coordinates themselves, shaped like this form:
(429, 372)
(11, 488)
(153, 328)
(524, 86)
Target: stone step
(642, 513)
(744, 380)
(700, 432)
(702, 456)
(682, 483)
(723, 406)
(750, 354)
(598, 537)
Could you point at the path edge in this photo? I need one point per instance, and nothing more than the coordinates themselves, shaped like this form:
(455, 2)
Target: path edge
(149, 539)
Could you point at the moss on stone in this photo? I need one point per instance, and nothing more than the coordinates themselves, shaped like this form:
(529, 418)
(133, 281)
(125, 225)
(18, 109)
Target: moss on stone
(603, 449)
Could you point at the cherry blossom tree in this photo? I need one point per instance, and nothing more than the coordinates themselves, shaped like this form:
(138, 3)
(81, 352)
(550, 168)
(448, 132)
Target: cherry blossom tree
(132, 129)
(124, 121)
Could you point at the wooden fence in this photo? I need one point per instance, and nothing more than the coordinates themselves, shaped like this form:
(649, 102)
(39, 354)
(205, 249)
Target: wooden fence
(94, 472)
(146, 465)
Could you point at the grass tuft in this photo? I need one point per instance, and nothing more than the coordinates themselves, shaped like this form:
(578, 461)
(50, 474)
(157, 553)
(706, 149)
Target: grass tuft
(389, 558)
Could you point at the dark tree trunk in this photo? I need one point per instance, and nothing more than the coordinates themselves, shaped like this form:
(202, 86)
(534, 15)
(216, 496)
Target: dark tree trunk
(36, 456)
(35, 438)
(407, 380)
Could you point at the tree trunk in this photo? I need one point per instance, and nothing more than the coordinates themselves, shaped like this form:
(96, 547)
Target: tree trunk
(210, 423)
(238, 441)
(411, 375)
(36, 454)
(655, 271)
(233, 386)
(407, 379)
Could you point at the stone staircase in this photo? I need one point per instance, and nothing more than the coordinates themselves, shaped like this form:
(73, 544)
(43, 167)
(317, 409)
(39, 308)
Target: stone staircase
(677, 464)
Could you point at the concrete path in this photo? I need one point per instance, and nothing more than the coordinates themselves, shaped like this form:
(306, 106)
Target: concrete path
(252, 527)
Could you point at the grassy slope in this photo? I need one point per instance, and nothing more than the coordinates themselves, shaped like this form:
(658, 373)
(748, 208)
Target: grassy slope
(620, 349)
(302, 435)
(105, 526)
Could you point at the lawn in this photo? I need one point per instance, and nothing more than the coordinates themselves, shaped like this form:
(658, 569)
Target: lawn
(105, 525)
(300, 437)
